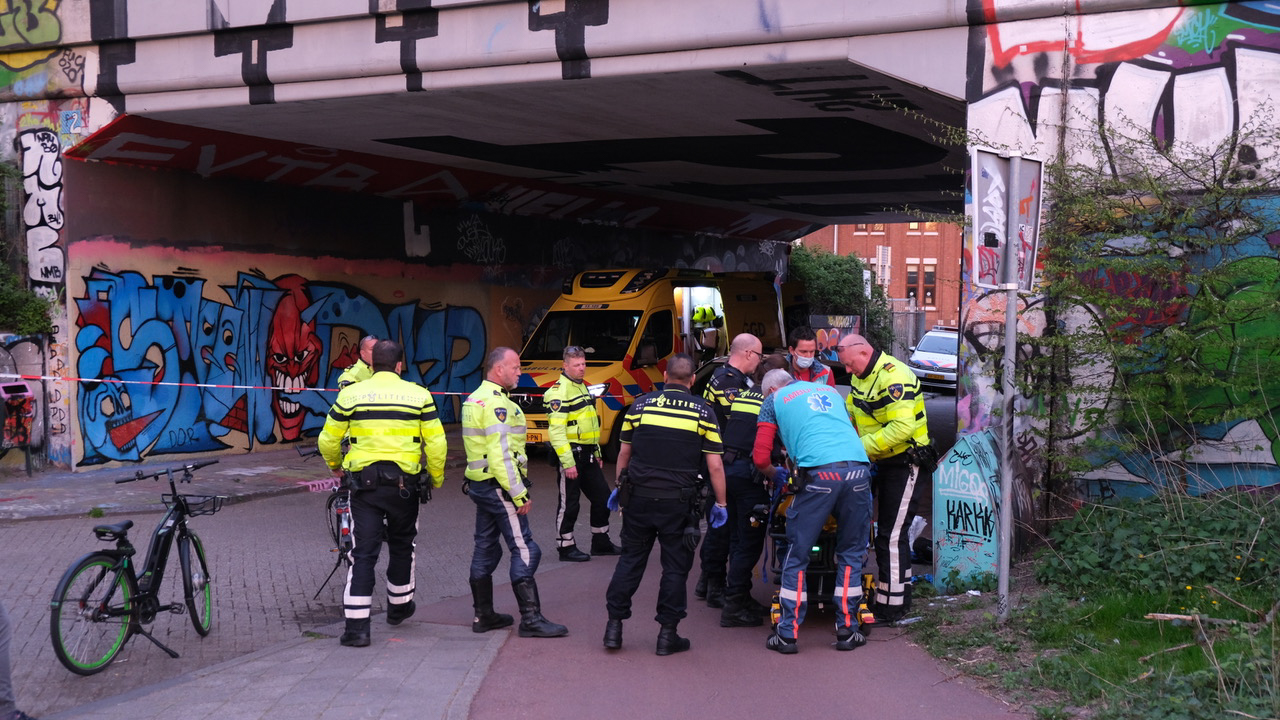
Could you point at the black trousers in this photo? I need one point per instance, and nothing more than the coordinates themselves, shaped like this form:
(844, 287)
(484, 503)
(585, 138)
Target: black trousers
(383, 513)
(893, 487)
(644, 521)
(590, 482)
(744, 491)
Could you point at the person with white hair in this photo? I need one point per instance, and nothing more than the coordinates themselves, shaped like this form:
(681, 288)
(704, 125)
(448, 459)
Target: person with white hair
(832, 478)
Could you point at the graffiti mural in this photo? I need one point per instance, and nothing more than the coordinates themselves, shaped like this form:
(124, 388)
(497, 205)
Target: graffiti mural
(1190, 75)
(172, 363)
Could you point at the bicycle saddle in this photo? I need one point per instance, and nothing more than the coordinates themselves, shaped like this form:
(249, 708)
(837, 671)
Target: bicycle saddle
(112, 531)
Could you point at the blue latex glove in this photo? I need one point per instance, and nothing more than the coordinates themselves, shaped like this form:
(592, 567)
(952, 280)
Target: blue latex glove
(612, 502)
(780, 475)
(719, 516)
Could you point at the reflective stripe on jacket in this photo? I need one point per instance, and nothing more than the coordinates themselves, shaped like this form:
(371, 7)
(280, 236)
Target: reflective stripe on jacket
(887, 408)
(493, 435)
(571, 418)
(387, 418)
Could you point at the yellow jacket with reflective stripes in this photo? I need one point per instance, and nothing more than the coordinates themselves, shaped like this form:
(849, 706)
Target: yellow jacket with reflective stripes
(887, 408)
(571, 418)
(388, 419)
(354, 374)
(493, 435)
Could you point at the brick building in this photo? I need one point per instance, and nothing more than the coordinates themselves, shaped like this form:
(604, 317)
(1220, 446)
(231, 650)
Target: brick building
(922, 260)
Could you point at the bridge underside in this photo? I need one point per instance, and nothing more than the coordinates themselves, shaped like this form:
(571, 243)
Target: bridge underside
(754, 151)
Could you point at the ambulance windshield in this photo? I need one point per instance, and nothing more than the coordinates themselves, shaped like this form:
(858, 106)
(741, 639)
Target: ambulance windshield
(605, 335)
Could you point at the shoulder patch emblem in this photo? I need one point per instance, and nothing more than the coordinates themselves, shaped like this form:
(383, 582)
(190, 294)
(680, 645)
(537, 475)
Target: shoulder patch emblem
(501, 413)
(895, 391)
(555, 405)
(731, 393)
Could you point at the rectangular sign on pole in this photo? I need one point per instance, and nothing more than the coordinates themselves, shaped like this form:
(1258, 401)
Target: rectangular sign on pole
(990, 200)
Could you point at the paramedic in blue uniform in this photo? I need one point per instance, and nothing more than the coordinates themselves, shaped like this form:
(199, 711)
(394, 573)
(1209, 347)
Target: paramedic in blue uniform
(832, 478)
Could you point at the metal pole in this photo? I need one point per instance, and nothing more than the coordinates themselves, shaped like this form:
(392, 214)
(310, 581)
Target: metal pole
(1008, 368)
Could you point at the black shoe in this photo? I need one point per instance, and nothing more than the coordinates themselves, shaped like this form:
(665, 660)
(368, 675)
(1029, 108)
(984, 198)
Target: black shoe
(715, 593)
(602, 545)
(740, 617)
(356, 633)
(532, 623)
(781, 644)
(613, 634)
(752, 605)
(491, 621)
(397, 614)
(669, 642)
(573, 554)
(700, 590)
(852, 639)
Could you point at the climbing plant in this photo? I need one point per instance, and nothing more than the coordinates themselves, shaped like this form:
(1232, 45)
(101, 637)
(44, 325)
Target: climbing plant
(1161, 302)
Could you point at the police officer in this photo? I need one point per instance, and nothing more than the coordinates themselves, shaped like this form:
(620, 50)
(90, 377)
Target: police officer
(746, 488)
(493, 434)
(726, 383)
(665, 436)
(802, 347)
(833, 478)
(575, 439)
(391, 423)
(360, 370)
(887, 406)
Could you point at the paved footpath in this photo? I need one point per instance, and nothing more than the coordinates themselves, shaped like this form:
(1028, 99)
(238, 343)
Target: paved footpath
(274, 653)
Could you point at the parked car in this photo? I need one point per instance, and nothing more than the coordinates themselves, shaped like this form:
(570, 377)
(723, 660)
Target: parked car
(933, 359)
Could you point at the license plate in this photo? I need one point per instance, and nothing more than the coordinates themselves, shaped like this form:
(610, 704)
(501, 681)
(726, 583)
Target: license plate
(935, 376)
(534, 437)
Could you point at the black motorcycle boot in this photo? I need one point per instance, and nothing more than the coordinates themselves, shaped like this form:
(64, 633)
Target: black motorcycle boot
(356, 633)
(700, 589)
(532, 623)
(482, 600)
(669, 642)
(573, 554)
(602, 545)
(397, 614)
(737, 613)
(715, 592)
(613, 634)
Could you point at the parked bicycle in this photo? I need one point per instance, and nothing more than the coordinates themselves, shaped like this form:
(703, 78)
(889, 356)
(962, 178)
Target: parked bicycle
(338, 514)
(102, 600)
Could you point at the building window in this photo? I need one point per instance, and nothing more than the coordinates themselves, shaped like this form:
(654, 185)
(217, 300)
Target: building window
(913, 228)
(877, 228)
(931, 228)
(860, 229)
(929, 288)
(913, 281)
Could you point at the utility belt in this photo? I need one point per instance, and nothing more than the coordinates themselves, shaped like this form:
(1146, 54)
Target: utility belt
(385, 473)
(581, 450)
(682, 494)
(732, 456)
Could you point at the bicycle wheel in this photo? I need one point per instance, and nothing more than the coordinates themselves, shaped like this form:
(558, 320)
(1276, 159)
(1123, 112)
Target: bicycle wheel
(197, 586)
(334, 518)
(91, 616)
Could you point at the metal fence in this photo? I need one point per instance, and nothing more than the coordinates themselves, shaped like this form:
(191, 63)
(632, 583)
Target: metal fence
(908, 327)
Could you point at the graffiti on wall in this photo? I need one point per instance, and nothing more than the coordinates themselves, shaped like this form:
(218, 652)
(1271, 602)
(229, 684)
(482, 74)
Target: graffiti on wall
(179, 365)
(1190, 75)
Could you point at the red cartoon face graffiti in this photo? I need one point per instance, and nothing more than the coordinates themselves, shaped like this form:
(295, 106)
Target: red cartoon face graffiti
(293, 356)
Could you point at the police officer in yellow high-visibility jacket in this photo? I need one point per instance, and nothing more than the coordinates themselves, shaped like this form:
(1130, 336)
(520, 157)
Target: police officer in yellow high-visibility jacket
(574, 428)
(391, 423)
(362, 369)
(886, 405)
(493, 434)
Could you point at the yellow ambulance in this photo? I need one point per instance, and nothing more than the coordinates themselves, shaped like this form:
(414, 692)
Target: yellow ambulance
(630, 321)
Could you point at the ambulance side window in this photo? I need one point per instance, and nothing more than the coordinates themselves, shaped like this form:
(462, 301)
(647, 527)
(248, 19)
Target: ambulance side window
(655, 341)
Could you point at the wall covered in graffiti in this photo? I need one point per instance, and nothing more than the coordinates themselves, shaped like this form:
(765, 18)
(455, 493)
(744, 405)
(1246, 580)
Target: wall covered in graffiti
(209, 351)
(1188, 75)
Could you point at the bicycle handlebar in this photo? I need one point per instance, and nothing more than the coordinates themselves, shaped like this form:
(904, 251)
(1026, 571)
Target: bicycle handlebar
(307, 451)
(185, 469)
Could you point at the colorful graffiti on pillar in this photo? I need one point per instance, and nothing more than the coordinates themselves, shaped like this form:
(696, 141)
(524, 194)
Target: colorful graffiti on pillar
(1192, 75)
(174, 371)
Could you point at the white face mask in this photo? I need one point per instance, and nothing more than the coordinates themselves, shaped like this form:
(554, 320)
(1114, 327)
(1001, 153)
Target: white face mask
(804, 363)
